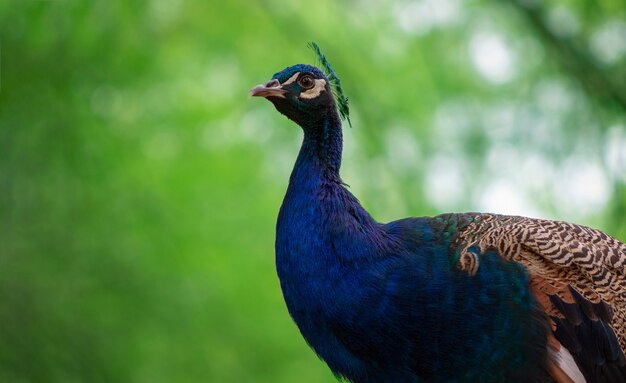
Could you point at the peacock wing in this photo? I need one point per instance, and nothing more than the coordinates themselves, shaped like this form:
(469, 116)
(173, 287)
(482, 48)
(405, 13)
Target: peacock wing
(578, 274)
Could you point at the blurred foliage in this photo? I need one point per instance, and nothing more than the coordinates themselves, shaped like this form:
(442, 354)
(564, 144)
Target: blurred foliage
(139, 184)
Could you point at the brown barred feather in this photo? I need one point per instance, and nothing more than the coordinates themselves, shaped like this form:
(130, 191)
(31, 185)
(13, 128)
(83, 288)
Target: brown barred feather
(562, 259)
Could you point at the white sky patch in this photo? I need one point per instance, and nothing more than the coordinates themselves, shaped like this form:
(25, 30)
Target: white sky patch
(533, 52)
(499, 121)
(581, 186)
(553, 96)
(531, 171)
(536, 172)
(444, 185)
(420, 17)
(562, 21)
(504, 197)
(608, 43)
(492, 57)
(452, 124)
(503, 159)
(615, 152)
(402, 149)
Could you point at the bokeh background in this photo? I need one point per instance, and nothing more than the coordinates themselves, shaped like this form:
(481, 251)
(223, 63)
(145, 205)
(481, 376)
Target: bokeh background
(139, 183)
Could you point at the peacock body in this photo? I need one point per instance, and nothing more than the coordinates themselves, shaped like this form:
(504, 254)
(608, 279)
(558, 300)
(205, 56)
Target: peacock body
(452, 298)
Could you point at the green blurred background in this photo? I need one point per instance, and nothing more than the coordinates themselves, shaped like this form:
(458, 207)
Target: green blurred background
(139, 183)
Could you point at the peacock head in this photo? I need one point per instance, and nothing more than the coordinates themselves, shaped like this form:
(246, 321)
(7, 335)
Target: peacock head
(306, 94)
(300, 92)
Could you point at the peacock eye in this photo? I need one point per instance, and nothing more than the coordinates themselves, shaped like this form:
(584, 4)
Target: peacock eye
(306, 81)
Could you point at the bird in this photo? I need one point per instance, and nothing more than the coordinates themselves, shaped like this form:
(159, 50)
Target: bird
(457, 297)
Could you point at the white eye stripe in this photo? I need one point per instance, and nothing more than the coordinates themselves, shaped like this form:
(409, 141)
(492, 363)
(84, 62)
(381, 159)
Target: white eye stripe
(291, 79)
(320, 86)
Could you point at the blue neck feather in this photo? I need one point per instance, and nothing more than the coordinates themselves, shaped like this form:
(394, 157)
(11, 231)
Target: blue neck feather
(322, 232)
(322, 145)
(317, 204)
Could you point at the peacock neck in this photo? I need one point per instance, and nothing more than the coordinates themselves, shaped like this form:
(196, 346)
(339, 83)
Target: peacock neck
(320, 221)
(316, 193)
(322, 147)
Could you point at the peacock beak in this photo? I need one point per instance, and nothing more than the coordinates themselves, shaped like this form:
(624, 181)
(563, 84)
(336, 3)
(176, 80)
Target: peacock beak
(269, 89)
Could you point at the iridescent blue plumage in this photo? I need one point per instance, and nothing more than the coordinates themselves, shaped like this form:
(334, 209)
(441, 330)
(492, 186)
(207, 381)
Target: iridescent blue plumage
(389, 302)
(381, 303)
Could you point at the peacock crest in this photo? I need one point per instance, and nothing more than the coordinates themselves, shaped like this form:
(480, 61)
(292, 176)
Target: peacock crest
(335, 83)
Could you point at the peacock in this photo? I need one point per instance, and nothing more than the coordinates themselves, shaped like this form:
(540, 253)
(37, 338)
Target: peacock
(459, 297)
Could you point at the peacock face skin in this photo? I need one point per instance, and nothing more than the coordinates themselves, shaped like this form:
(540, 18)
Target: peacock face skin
(299, 92)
